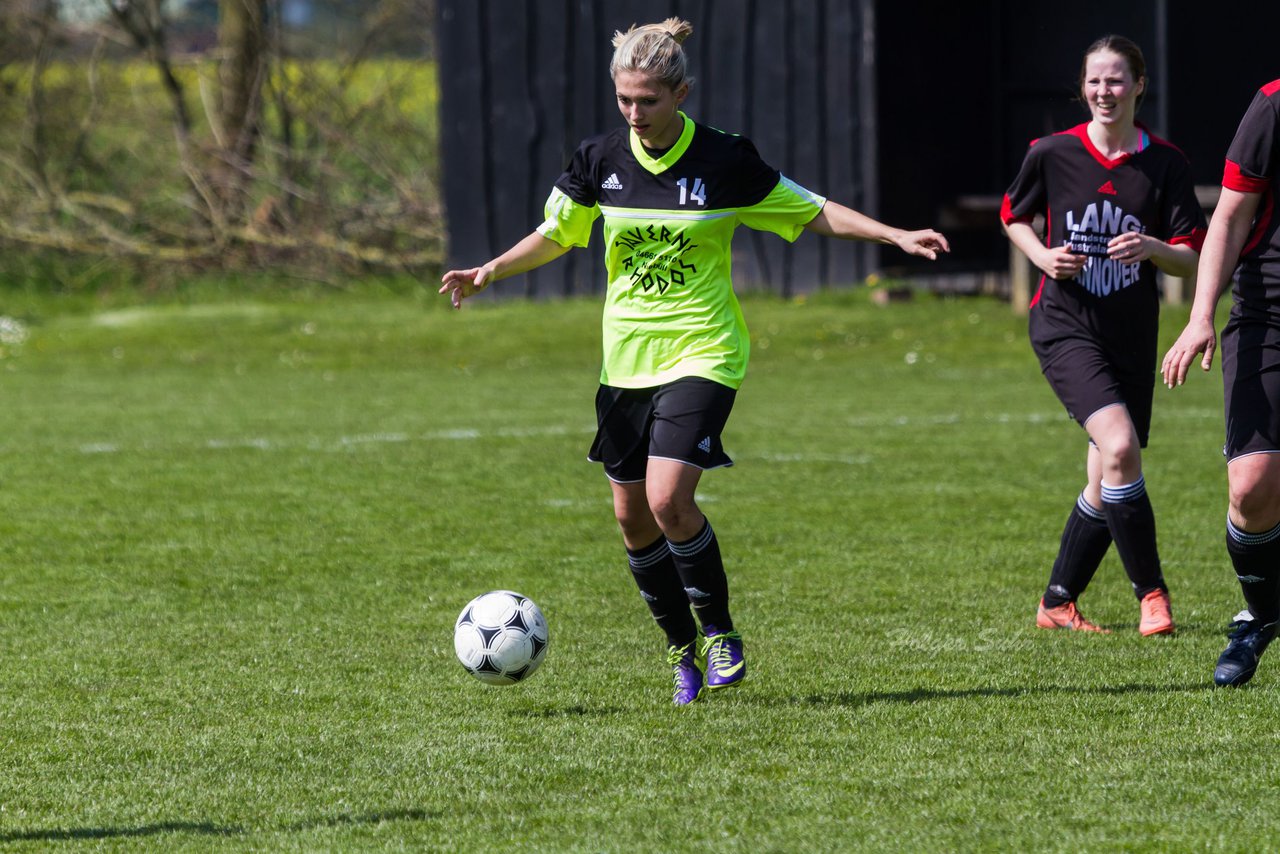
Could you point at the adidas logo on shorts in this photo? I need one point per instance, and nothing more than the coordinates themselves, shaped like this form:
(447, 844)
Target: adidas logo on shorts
(612, 182)
(705, 445)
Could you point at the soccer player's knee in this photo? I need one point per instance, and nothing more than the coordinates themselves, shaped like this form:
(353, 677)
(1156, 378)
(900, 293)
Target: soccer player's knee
(635, 522)
(1254, 498)
(1126, 452)
(672, 513)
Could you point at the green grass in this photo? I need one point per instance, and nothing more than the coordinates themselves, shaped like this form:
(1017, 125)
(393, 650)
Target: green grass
(236, 533)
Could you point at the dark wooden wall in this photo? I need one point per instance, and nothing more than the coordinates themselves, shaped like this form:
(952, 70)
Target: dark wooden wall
(523, 81)
(915, 111)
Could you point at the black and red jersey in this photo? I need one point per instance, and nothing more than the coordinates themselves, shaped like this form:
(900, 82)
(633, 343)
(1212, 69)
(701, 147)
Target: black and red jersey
(1253, 166)
(1087, 199)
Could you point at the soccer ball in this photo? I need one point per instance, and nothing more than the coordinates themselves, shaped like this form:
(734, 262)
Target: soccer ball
(500, 637)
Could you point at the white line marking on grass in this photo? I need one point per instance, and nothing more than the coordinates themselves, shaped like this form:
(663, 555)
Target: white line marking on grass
(890, 420)
(844, 459)
(1028, 418)
(123, 317)
(550, 430)
(506, 432)
(224, 444)
(462, 434)
(265, 444)
(452, 434)
(374, 439)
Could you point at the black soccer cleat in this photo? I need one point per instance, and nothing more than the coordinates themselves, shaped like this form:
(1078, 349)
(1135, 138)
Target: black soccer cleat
(1249, 639)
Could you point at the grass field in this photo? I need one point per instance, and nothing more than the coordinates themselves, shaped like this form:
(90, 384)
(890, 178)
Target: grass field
(236, 533)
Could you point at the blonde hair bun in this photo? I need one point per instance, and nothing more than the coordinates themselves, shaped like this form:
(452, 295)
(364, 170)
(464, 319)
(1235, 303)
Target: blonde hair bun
(653, 49)
(674, 27)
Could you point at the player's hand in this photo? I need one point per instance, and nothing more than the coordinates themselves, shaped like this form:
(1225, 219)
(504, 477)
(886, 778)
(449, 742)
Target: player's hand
(1130, 247)
(1198, 337)
(1060, 262)
(460, 284)
(925, 243)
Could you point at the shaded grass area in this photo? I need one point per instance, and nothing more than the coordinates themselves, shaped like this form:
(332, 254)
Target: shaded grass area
(237, 533)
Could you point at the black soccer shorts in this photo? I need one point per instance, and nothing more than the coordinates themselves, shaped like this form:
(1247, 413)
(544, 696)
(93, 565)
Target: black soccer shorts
(1251, 384)
(681, 420)
(1087, 380)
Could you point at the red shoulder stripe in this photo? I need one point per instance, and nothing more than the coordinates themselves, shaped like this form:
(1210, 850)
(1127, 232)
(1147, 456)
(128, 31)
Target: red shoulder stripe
(1195, 239)
(1234, 179)
(1006, 213)
(1271, 88)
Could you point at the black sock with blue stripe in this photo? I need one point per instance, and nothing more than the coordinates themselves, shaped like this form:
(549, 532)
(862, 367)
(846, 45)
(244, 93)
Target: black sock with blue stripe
(655, 573)
(1085, 540)
(1256, 558)
(1133, 528)
(702, 572)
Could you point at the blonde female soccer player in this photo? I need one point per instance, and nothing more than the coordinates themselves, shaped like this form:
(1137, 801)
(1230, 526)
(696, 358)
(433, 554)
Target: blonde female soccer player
(671, 192)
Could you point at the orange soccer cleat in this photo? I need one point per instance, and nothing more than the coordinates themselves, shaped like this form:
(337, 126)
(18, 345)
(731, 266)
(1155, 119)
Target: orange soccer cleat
(1157, 619)
(1065, 617)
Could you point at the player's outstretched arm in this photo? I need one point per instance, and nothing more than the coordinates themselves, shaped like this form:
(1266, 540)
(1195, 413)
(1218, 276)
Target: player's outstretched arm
(531, 252)
(836, 220)
(1228, 230)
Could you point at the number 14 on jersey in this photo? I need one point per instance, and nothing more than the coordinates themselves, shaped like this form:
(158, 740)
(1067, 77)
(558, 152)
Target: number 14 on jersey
(698, 193)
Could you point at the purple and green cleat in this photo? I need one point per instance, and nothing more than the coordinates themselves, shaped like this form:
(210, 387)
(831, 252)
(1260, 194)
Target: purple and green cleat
(687, 667)
(725, 665)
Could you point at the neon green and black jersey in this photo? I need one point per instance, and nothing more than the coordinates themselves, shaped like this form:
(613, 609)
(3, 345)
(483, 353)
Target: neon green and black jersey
(670, 311)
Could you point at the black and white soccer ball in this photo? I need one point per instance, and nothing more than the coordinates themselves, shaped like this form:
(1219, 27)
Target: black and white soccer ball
(500, 637)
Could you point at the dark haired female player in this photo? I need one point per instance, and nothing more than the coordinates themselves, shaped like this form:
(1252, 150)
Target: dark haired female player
(1245, 231)
(1119, 204)
(671, 192)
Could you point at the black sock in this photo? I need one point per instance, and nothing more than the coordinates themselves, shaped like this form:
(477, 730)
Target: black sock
(1085, 540)
(1256, 558)
(1133, 528)
(660, 587)
(702, 572)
